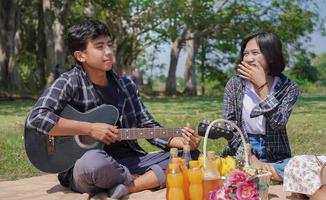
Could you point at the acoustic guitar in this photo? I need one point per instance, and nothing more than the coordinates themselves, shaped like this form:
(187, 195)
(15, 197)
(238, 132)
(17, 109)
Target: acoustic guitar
(56, 154)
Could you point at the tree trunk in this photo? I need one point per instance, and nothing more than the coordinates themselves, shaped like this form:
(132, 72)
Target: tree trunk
(54, 20)
(190, 67)
(171, 82)
(10, 44)
(49, 36)
(40, 55)
(15, 81)
(3, 43)
(202, 69)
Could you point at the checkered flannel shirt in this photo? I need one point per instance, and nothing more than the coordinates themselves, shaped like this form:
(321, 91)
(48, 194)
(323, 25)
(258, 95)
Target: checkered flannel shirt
(74, 88)
(276, 108)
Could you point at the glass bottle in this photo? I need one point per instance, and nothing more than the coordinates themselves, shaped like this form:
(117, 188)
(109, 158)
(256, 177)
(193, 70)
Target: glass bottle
(212, 178)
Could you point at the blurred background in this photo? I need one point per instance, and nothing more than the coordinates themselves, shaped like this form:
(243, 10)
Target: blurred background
(168, 47)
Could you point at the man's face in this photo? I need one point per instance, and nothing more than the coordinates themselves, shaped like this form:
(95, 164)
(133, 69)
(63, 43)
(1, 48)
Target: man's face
(98, 54)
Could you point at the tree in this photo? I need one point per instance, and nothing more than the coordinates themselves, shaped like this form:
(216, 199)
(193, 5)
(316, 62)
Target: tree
(173, 31)
(129, 21)
(319, 62)
(55, 17)
(41, 47)
(9, 44)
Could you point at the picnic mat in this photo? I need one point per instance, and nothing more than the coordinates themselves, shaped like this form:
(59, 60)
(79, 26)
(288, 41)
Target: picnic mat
(47, 187)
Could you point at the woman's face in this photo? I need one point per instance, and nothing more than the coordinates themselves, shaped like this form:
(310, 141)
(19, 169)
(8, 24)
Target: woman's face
(253, 56)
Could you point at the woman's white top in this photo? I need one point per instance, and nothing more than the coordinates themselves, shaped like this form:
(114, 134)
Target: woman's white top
(254, 125)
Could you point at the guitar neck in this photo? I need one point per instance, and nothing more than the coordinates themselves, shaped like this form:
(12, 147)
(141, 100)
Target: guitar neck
(148, 133)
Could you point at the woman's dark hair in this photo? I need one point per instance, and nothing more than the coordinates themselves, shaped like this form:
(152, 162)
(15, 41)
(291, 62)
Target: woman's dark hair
(271, 47)
(80, 33)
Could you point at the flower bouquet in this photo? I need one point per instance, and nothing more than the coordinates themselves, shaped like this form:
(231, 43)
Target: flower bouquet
(240, 185)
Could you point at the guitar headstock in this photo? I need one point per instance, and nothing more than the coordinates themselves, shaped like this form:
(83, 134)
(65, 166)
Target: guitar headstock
(218, 130)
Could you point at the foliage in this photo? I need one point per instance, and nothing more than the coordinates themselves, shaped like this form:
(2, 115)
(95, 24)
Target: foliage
(319, 63)
(302, 70)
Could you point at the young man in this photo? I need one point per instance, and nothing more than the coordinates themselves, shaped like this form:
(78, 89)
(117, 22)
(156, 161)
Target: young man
(123, 166)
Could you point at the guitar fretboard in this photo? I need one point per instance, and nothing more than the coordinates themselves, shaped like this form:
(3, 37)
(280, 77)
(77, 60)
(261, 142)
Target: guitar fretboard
(148, 133)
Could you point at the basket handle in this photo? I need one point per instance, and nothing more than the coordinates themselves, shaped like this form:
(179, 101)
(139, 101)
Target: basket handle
(245, 146)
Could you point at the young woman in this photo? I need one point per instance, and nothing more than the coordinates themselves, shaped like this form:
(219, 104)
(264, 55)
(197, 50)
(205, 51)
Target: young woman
(259, 99)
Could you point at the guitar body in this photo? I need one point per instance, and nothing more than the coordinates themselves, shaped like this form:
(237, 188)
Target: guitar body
(67, 149)
(57, 154)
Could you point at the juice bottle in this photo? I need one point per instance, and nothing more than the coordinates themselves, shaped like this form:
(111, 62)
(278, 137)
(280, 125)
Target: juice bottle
(186, 154)
(212, 178)
(173, 154)
(175, 183)
(184, 171)
(173, 159)
(186, 158)
(195, 175)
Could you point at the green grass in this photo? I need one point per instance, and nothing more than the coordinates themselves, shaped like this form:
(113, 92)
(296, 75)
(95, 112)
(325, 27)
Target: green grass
(306, 127)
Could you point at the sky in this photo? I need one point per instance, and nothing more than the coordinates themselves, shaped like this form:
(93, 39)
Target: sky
(318, 42)
(317, 45)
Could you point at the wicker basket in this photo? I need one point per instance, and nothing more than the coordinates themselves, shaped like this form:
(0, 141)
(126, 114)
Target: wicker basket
(264, 176)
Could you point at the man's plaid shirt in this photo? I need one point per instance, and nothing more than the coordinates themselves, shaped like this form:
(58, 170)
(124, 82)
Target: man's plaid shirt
(276, 108)
(75, 89)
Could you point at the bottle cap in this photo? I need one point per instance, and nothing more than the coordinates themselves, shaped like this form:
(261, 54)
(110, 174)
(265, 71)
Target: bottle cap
(174, 151)
(211, 154)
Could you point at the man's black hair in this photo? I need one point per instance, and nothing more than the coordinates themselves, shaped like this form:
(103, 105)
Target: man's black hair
(271, 47)
(80, 33)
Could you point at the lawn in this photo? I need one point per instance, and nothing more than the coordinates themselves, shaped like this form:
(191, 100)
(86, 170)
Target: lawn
(306, 127)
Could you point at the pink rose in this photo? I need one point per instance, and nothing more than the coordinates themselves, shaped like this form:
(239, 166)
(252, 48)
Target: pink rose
(220, 193)
(238, 177)
(217, 194)
(247, 191)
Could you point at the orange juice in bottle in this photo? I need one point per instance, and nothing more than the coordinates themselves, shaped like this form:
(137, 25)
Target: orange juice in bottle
(212, 178)
(195, 175)
(184, 171)
(173, 159)
(174, 182)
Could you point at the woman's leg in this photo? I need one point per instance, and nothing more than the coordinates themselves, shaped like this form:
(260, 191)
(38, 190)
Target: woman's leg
(278, 169)
(319, 194)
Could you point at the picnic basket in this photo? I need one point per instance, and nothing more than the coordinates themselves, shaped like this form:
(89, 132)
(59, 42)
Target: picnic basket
(263, 176)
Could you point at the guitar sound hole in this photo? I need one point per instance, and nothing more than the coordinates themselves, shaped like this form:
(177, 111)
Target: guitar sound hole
(86, 141)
